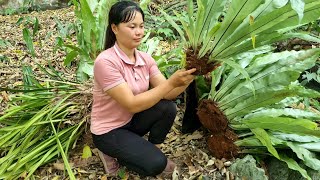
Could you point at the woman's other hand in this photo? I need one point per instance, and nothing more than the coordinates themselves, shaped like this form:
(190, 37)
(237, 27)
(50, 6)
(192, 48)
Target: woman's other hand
(182, 77)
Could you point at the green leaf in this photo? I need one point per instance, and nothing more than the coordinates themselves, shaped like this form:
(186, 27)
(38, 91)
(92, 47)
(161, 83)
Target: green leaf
(19, 21)
(263, 137)
(87, 68)
(315, 146)
(295, 137)
(308, 157)
(70, 57)
(292, 164)
(198, 23)
(238, 11)
(88, 21)
(208, 39)
(287, 112)
(270, 75)
(282, 124)
(298, 6)
(36, 27)
(174, 24)
(152, 45)
(144, 4)
(122, 174)
(40, 162)
(92, 4)
(60, 147)
(210, 26)
(268, 25)
(27, 38)
(102, 23)
(249, 142)
(244, 74)
(86, 152)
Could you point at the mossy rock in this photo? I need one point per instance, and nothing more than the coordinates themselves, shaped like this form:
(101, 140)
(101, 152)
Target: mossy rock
(246, 168)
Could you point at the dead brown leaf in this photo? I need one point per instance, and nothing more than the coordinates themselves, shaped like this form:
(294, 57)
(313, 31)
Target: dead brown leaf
(60, 166)
(195, 135)
(178, 153)
(5, 96)
(219, 164)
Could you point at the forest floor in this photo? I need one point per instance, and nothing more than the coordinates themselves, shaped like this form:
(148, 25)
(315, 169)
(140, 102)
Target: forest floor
(189, 151)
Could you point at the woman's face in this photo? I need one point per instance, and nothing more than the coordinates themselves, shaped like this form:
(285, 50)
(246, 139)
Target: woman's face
(131, 33)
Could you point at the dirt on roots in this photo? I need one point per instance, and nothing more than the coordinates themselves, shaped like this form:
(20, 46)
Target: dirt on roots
(211, 117)
(222, 138)
(222, 145)
(202, 65)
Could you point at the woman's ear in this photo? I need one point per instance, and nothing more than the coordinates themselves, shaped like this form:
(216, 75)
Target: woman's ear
(114, 28)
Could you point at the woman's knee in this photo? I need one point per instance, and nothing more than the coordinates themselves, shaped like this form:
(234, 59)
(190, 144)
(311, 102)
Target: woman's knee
(169, 107)
(156, 165)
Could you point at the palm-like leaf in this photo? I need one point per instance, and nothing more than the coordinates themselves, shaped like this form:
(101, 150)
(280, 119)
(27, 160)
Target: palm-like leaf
(274, 78)
(241, 37)
(247, 24)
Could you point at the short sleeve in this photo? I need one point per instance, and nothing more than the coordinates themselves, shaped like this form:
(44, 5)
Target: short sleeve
(107, 74)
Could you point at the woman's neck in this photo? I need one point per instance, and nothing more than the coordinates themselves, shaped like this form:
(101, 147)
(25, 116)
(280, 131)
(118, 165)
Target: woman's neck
(128, 52)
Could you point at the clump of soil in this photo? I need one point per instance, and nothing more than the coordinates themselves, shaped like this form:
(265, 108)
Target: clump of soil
(221, 141)
(211, 117)
(222, 145)
(202, 65)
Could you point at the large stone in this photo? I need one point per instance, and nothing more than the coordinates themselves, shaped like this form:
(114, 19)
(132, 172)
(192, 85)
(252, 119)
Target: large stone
(36, 4)
(246, 168)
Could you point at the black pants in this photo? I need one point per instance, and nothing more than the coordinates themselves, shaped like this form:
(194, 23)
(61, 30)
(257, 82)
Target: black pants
(131, 149)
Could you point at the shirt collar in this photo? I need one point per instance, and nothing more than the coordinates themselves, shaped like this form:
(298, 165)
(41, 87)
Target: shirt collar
(125, 58)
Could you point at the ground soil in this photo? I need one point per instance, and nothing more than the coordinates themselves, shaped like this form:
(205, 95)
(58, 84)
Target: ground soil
(201, 64)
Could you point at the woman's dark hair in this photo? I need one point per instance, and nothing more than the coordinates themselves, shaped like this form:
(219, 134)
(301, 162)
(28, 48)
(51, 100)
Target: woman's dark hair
(120, 12)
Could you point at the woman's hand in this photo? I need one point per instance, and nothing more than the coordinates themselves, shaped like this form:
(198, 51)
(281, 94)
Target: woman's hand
(182, 77)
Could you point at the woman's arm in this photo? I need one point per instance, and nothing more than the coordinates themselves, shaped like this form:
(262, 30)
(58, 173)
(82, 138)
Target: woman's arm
(137, 103)
(159, 79)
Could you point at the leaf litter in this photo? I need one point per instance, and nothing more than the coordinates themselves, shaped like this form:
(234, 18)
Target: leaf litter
(189, 151)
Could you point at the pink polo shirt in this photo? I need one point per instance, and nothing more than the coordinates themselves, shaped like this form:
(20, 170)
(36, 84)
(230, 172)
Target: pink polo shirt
(111, 68)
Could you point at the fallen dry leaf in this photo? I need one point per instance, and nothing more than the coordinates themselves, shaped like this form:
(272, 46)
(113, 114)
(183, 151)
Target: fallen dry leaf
(178, 153)
(104, 177)
(60, 166)
(195, 135)
(5, 96)
(219, 164)
(211, 162)
(193, 170)
(175, 174)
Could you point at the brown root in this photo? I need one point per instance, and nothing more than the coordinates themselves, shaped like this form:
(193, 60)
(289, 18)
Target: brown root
(222, 146)
(211, 117)
(202, 65)
(221, 141)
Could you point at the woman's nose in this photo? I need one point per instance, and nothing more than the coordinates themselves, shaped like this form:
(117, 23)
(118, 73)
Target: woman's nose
(139, 31)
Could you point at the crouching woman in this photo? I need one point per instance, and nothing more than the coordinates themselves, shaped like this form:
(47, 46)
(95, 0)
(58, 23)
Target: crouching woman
(132, 98)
